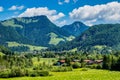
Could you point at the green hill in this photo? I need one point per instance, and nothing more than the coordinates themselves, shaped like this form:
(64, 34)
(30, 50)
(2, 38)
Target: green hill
(98, 37)
(75, 28)
(36, 31)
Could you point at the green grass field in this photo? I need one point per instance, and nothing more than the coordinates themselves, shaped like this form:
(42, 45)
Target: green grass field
(46, 60)
(55, 39)
(31, 47)
(76, 74)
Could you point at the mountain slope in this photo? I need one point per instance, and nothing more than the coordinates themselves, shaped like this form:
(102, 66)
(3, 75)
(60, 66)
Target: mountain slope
(36, 31)
(98, 36)
(10, 34)
(75, 28)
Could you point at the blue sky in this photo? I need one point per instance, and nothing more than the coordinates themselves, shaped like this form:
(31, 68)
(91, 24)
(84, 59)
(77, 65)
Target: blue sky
(63, 12)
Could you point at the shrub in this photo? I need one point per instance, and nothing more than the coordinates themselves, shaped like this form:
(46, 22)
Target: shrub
(76, 65)
(84, 69)
(35, 68)
(27, 73)
(33, 74)
(99, 67)
(64, 64)
(17, 72)
(39, 73)
(4, 74)
(43, 73)
(56, 63)
(93, 66)
(69, 68)
(62, 69)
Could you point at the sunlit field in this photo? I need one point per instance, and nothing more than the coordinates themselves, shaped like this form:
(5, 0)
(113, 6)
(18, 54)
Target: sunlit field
(48, 61)
(76, 74)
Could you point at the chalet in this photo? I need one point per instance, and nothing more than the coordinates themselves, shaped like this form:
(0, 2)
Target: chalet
(89, 61)
(93, 61)
(75, 60)
(98, 61)
(60, 62)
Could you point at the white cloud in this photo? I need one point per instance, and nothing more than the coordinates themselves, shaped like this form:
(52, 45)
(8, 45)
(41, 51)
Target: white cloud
(61, 23)
(56, 17)
(14, 7)
(67, 1)
(105, 13)
(61, 2)
(53, 15)
(75, 1)
(1, 9)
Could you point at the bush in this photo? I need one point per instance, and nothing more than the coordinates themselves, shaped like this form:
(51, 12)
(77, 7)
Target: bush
(33, 74)
(43, 73)
(84, 69)
(39, 73)
(64, 64)
(27, 73)
(4, 74)
(17, 72)
(62, 69)
(76, 65)
(69, 68)
(35, 68)
(99, 67)
(93, 66)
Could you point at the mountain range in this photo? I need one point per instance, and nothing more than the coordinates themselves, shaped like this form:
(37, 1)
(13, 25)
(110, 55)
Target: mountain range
(36, 31)
(103, 37)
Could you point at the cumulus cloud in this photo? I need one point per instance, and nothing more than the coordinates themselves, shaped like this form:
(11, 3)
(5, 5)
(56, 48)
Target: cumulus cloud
(61, 23)
(53, 15)
(60, 2)
(75, 1)
(104, 13)
(15, 7)
(67, 1)
(1, 9)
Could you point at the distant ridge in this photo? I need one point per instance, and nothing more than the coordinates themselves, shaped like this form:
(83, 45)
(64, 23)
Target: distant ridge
(75, 28)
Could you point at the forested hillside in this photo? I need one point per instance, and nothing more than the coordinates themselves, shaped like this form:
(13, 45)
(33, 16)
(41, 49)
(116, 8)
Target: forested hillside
(34, 31)
(104, 36)
(75, 28)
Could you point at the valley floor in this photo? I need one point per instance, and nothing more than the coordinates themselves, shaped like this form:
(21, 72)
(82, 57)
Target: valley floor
(76, 74)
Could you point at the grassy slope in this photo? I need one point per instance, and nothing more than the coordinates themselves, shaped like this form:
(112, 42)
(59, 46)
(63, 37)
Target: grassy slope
(1, 54)
(11, 23)
(76, 75)
(15, 44)
(54, 39)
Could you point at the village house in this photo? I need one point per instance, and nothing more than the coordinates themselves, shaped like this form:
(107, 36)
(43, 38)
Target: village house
(60, 62)
(89, 62)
